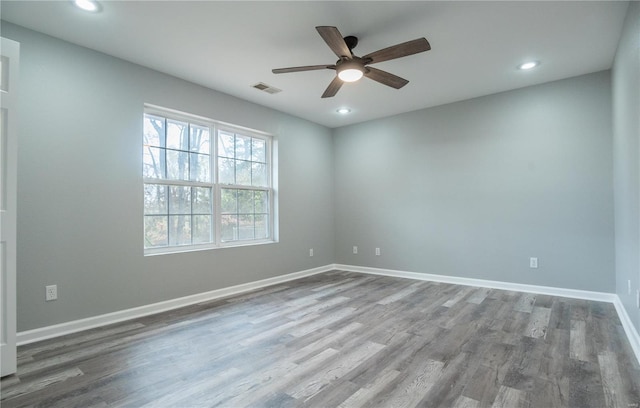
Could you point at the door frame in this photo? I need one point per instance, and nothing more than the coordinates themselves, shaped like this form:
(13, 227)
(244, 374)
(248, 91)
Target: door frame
(9, 61)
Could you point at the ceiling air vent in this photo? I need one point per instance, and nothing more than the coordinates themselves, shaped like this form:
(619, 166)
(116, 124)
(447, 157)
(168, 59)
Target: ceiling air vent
(261, 86)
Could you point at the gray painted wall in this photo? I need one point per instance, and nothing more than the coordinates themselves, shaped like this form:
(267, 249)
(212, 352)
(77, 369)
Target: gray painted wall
(626, 153)
(80, 187)
(475, 188)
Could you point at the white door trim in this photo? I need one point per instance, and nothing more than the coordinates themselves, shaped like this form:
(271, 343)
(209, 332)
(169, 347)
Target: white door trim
(10, 54)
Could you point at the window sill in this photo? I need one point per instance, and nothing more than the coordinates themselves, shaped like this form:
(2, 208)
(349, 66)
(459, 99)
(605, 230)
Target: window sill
(197, 248)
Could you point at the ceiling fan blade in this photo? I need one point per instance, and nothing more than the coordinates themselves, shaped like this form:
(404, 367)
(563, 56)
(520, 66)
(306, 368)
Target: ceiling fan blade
(334, 40)
(333, 88)
(305, 68)
(398, 51)
(385, 78)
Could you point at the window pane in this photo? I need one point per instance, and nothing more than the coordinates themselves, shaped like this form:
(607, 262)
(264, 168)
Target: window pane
(243, 173)
(155, 231)
(200, 139)
(177, 165)
(201, 197)
(199, 166)
(226, 171)
(177, 136)
(179, 230)
(259, 174)
(262, 202)
(155, 199)
(245, 201)
(202, 229)
(153, 162)
(245, 230)
(179, 200)
(243, 148)
(153, 131)
(258, 151)
(229, 201)
(226, 143)
(261, 226)
(229, 228)
(185, 212)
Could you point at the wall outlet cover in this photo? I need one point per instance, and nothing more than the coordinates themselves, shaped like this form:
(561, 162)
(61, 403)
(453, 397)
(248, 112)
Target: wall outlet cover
(51, 292)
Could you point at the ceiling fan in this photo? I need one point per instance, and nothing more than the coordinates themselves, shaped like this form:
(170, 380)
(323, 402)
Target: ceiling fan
(350, 68)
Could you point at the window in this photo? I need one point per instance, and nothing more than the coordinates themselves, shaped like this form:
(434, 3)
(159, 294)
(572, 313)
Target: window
(206, 185)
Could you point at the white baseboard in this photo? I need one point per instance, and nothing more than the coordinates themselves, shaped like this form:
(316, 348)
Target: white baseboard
(47, 332)
(519, 287)
(629, 328)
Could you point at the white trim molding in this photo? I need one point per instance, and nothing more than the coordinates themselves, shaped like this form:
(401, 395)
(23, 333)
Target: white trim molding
(629, 328)
(519, 287)
(48, 332)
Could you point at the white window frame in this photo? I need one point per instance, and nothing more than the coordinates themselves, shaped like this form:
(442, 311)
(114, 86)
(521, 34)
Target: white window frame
(216, 187)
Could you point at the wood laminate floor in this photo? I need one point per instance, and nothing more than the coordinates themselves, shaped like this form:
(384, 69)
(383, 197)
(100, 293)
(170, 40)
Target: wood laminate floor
(343, 340)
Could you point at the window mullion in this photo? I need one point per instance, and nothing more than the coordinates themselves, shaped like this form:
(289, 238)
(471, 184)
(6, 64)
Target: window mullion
(243, 187)
(184, 183)
(217, 202)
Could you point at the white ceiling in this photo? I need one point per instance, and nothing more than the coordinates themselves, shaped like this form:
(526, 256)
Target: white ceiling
(229, 46)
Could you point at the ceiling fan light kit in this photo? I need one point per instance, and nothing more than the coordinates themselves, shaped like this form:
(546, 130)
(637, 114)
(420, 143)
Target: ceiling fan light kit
(350, 68)
(350, 71)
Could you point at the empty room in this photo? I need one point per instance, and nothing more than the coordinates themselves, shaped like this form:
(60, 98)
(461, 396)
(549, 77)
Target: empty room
(320, 204)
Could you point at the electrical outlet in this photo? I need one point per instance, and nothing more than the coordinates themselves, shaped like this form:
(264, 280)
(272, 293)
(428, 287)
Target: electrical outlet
(51, 292)
(355, 249)
(377, 251)
(310, 251)
(533, 263)
(629, 287)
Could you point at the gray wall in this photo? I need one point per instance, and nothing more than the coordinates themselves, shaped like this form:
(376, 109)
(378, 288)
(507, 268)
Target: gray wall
(475, 188)
(626, 153)
(80, 187)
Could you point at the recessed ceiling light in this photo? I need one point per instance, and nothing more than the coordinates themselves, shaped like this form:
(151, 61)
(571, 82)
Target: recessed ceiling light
(528, 65)
(87, 5)
(343, 111)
